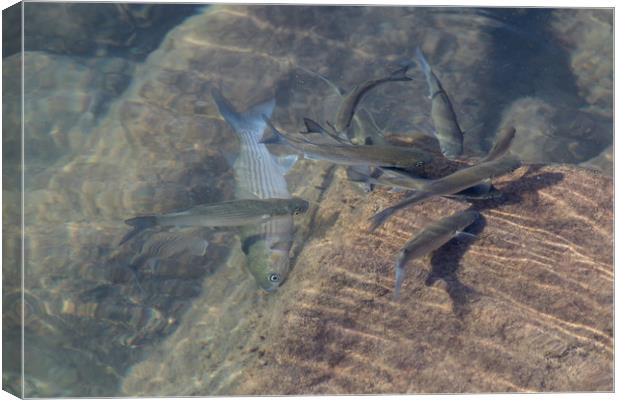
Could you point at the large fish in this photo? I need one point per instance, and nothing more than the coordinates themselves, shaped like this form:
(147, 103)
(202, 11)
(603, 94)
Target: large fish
(238, 212)
(258, 174)
(447, 130)
(453, 183)
(345, 154)
(431, 238)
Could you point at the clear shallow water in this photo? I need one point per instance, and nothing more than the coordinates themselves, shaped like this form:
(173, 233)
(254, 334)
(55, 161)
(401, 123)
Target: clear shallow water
(112, 133)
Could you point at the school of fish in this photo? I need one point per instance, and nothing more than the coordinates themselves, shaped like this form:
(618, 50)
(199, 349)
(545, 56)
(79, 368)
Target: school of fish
(263, 209)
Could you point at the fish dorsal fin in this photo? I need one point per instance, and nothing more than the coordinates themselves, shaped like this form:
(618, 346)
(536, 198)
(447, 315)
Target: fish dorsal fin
(286, 162)
(313, 126)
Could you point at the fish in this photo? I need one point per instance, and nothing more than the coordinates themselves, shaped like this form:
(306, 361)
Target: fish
(259, 174)
(237, 212)
(447, 129)
(346, 154)
(502, 143)
(350, 102)
(365, 129)
(403, 181)
(453, 183)
(430, 239)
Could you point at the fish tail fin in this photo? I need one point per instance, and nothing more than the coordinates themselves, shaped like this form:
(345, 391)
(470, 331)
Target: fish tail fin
(276, 136)
(379, 218)
(139, 224)
(250, 120)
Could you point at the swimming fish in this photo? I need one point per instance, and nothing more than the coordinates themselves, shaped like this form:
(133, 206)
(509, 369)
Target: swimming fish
(447, 130)
(365, 130)
(344, 154)
(453, 183)
(349, 104)
(258, 174)
(431, 238)
(502, 144)
(403, 181)
(225, 214)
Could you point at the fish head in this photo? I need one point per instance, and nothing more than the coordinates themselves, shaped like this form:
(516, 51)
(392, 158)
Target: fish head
(299, 206)
(268, 264)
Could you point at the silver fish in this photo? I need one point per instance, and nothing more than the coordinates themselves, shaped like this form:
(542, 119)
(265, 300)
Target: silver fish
(431, 238)
(238, 212)
(453, 183)
(344, 154)
(365, 129)
(447, 130)
(403, 181)
(502, 144)
(258, 174)
(347, 108)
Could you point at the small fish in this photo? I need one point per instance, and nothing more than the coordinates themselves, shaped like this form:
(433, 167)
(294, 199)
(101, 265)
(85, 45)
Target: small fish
(401, 180)
(344, 154)
(430, 239)
(365, 129)
(225, 214)
(349, 104)
(501, 145)
(447, 130)
(453, 183)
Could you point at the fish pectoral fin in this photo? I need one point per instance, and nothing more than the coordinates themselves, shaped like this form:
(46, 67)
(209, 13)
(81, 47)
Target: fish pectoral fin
(465, 235)
(281, 245)
(287, 162)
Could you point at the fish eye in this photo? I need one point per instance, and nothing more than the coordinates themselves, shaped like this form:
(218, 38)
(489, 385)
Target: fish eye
(274, 277)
